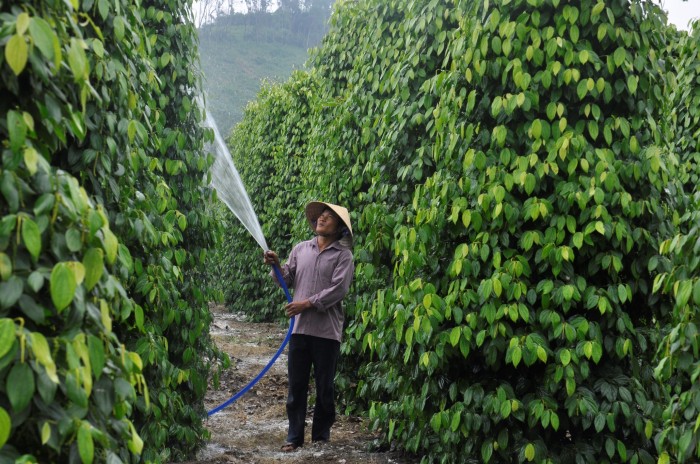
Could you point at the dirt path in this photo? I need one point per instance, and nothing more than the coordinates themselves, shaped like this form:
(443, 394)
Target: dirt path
(252, 429)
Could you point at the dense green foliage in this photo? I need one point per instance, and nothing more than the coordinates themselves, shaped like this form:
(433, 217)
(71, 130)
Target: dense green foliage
(240, 51)
(679, 352)
(512, 169)
(103, 237)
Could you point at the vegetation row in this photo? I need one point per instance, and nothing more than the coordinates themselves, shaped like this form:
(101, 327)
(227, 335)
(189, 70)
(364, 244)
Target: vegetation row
(104, 323)
(522, 178)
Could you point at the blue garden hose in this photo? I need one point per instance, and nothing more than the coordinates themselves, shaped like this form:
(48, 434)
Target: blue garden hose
(233, 399)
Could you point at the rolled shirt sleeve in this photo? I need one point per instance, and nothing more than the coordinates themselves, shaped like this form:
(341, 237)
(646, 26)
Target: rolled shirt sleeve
(287, 270)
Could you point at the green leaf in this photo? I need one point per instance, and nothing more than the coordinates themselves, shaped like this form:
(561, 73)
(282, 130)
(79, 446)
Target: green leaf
(105, 316)
(136, 443)
(5, 426)
(454, 335)
(480, 337)
(43, 36)
(98, 48)
(600, 227)
(86, 447)
(18, 131)
(555, 420)
(565, 357)
(97, 355)
(131, 130)
(454, 424)
(16, 53)
(581, 89)
(505, 409)
(44, 204)
(103, 8)
(118, 24)
(94, 267)
(62, 285)
(40, 348)
(599, 422)
(22, 23)
(110, 244)
(74, 240)
(20, 386)
(619, 56)
(77, 60)
(78, 271)
(517, 355)
(486, 451)
(45, 433)
(7, 336)
(583, 56)
(597, 9)
(466, 219)
(5, 266)
(530, 182)
(31, 159)
(35, 281)
(530, 452)
(11, 291)
(435, 422)
(622, 293)
(597, 352)
(622, 450)
(127, 261)
(593, 129)
(31, 237)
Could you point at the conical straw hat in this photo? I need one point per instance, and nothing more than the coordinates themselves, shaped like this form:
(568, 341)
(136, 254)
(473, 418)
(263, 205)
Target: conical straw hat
(315, 208)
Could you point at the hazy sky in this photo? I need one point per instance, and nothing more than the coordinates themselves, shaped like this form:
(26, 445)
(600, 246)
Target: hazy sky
(680, 12)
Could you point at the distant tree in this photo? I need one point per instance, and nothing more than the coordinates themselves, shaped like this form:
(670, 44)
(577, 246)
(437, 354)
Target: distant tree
(293, 6)
(257, 6)
(207, 12)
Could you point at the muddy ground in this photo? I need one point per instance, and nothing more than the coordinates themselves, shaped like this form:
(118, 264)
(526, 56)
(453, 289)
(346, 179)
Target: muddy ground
(253, 429)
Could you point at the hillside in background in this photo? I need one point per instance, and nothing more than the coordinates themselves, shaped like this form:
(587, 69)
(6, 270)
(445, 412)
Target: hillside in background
(239, 51)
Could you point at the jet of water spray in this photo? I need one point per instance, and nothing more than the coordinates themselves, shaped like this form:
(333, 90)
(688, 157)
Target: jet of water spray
(229, 186)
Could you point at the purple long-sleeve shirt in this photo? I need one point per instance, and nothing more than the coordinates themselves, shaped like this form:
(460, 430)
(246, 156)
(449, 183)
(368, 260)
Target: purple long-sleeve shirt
(324, 278)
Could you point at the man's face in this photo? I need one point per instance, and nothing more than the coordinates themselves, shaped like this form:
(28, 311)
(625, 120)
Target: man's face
(327, 223)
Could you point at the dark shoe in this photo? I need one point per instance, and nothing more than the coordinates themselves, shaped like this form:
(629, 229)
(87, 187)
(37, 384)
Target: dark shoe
(289, 447)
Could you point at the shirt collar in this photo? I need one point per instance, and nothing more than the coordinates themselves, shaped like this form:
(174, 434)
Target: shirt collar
(335, 244)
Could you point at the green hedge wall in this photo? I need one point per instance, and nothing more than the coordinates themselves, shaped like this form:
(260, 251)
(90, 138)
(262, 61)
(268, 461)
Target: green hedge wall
(679, 351)
(513, 169)
(103, 235)
(524, 289)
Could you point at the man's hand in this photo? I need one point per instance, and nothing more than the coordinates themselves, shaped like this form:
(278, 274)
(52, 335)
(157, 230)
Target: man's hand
(296, 307)
(270, 257)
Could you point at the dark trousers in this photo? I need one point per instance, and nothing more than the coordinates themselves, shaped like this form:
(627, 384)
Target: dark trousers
(322, 353)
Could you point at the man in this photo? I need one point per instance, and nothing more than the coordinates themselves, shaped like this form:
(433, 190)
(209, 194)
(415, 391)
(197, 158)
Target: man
(320, 270)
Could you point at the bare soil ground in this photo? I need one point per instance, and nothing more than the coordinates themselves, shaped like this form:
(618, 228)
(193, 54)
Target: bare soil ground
(253, 429)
